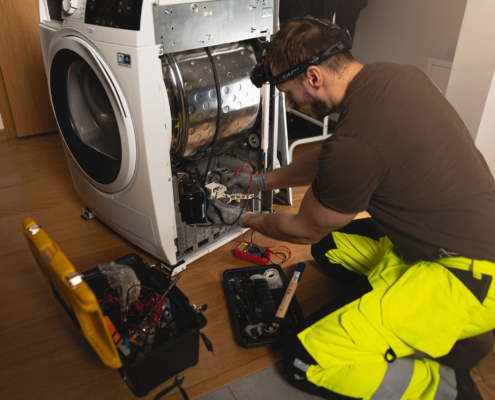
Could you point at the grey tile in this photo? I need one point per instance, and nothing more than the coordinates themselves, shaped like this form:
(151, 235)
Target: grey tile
(268, 384)
(220, 394)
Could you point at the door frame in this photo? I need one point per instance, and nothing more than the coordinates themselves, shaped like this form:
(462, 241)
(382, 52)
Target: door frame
(6, 111)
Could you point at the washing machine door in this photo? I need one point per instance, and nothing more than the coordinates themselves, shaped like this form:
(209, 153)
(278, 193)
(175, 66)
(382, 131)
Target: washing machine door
(92, 113)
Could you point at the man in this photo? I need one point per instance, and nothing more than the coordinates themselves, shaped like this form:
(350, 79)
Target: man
(421, 269)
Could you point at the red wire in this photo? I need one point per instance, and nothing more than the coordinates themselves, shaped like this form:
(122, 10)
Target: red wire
(276, 255)
(250, 180)
(269, 248)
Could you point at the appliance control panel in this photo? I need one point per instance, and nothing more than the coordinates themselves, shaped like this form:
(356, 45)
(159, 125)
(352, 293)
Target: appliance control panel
(120, 14)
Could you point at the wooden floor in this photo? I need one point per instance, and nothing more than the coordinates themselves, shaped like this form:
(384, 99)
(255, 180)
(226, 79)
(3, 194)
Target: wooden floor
(43, 355)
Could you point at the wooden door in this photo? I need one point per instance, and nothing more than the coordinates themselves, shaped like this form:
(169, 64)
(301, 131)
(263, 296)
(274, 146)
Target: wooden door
(23, 71)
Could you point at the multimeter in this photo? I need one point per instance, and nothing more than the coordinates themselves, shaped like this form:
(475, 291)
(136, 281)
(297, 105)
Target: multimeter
(253, 253)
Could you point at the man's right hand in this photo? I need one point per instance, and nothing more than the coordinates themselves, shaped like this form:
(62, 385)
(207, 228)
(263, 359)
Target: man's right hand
(240, 182)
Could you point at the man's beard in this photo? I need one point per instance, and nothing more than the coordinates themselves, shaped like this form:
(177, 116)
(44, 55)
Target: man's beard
(320, 108)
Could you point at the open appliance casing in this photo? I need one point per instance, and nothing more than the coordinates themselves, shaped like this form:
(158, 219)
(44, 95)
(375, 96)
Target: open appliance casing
(134, 93)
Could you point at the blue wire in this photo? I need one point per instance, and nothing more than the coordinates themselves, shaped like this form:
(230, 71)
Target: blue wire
(204, 206)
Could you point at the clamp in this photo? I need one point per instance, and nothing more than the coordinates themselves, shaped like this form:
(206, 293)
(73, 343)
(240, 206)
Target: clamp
(177, 383)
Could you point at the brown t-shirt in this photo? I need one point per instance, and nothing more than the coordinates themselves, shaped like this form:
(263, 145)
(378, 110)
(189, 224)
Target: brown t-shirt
(401, 152)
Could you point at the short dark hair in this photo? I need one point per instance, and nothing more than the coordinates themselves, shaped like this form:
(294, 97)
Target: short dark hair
(299, 39)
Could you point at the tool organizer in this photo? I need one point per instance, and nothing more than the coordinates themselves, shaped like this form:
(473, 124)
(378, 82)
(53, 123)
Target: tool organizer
(170, 357)
(254, 298)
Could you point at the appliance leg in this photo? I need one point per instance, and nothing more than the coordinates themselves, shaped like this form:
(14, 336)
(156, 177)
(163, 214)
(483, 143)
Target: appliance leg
(87, 214)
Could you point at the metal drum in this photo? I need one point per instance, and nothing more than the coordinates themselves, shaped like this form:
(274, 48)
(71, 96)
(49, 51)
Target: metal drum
(189, 79)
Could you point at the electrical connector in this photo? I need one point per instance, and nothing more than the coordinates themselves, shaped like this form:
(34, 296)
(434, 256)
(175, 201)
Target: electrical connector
(215, 190)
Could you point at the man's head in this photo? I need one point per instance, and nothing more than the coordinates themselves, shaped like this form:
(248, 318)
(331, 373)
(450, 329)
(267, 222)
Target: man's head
(320, 89)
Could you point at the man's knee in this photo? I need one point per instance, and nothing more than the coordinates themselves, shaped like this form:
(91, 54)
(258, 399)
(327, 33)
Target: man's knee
(296, 363)
(355, 258)
(336, 271)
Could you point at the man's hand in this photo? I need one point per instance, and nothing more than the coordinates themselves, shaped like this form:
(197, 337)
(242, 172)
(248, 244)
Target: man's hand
(311, 224)
(224, 214)
(240, 183)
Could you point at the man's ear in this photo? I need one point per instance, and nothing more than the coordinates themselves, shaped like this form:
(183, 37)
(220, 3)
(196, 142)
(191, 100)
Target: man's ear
(314, 74)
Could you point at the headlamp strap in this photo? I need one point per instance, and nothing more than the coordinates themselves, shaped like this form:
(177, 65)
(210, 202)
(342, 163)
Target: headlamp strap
(341, 45)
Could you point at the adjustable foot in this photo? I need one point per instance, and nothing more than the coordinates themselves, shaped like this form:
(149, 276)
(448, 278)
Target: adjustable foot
(87, 214)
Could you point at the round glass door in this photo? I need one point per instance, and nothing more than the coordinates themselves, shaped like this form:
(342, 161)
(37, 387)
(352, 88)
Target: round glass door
(95, 125)
(91, 112)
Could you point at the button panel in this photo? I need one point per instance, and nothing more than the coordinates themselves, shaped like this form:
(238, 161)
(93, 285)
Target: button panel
(121, 14)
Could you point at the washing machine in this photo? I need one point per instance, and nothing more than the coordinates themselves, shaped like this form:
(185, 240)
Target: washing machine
(154, 104)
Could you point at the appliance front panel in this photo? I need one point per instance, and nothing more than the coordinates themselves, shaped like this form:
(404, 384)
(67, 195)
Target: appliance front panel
(93, 116)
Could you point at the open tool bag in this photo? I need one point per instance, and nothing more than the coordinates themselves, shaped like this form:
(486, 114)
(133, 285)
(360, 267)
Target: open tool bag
(253, 296)
(157, 337)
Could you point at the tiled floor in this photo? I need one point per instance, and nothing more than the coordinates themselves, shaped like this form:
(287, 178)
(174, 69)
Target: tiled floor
(266, 384)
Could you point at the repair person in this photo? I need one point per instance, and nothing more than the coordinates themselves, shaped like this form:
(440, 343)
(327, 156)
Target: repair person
(421, 269)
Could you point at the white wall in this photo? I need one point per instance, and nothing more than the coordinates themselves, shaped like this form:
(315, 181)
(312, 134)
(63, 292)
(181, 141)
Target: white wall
(1, 123)
(485, 138)
(474, 64)
(471, 87)
(408, 32)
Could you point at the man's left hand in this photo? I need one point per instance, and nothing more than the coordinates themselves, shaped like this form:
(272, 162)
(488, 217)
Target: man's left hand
(223, 214)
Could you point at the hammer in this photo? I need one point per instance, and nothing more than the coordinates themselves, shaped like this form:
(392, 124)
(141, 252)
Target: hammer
(289, 293)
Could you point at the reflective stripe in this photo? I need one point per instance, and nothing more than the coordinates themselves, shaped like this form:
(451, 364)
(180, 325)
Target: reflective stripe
(298, 378)
(446, 389)
(300, 365)
(396, 380)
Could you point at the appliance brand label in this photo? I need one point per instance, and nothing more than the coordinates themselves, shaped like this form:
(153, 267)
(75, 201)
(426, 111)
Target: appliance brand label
(124, 60)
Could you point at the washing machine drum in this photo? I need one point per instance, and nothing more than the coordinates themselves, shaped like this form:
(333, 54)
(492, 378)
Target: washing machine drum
(195, 104)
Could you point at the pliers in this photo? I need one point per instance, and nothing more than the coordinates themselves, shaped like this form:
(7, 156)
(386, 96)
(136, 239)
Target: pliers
(177, 383)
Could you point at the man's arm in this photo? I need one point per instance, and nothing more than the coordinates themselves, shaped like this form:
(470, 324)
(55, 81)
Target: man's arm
(300, 172)
(313, 222)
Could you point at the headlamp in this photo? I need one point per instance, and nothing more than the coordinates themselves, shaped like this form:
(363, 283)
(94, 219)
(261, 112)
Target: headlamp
(262, 73)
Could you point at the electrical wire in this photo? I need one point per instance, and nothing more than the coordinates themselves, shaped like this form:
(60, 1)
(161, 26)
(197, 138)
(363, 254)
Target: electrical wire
(142, 286)
(219, 104)
(204, 206)
(276, 254)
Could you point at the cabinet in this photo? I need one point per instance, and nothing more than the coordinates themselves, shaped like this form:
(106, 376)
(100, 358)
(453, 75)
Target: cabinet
(24, 100)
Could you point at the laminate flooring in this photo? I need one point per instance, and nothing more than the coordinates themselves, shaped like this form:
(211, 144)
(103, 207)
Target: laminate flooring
(43, 354)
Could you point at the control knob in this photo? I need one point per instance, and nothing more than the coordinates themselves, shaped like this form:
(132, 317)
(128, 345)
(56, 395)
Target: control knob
(69, 6)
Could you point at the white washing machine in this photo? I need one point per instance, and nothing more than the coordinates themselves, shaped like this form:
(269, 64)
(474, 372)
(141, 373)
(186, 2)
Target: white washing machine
(153, 100)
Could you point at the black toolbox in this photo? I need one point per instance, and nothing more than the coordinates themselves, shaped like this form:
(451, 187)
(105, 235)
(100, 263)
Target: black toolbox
(80, 295)
(293, 317)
